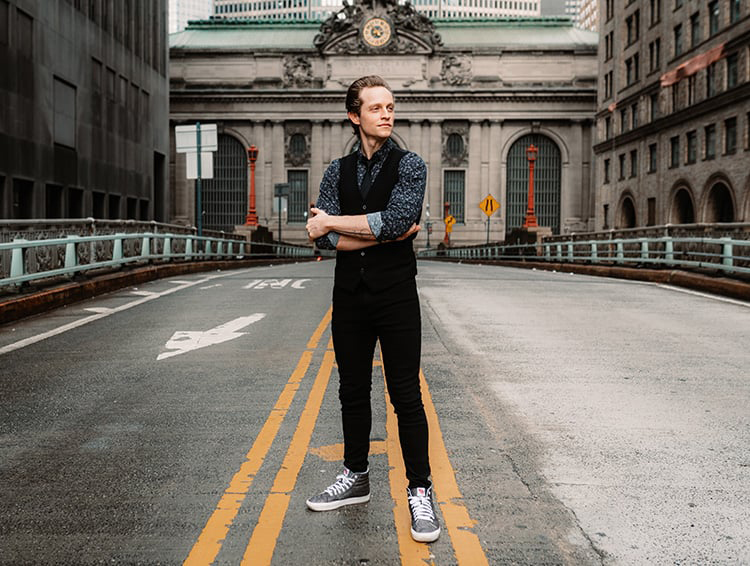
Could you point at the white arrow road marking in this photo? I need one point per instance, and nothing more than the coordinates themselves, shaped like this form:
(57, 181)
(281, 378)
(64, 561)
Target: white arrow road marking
(298, 283)
(184, 341)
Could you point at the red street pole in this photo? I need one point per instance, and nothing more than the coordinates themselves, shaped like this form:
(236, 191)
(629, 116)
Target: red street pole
(530, 220)
(447, 238)
(252, 218)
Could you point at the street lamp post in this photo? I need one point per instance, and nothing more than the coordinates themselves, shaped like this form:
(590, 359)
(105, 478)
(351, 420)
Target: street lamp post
(530, 220)
(428, 224)
(252, 218)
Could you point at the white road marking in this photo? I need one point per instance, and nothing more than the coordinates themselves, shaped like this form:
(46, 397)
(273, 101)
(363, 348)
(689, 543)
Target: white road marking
(211, 286)
(274, 283)
(83, 321)
(704, 295)
(99, 310)
(184, 341)
(143, 293)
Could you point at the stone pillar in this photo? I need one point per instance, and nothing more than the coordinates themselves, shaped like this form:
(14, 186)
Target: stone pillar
(473, 180)
(571, 178)
(495, 182)
(268, 170)
(337, 140)
(434, 160)
(316, 160)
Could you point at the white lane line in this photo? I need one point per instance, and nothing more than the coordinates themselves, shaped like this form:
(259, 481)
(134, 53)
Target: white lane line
(210, 286)
(143, 293)
(99, 310)
(76, 323)
(705, 295)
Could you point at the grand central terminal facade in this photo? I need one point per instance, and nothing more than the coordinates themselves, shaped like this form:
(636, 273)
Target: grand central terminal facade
(471, 97)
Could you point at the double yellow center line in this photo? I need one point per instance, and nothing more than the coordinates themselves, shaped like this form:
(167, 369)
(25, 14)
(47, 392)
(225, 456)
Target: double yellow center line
(260, 548)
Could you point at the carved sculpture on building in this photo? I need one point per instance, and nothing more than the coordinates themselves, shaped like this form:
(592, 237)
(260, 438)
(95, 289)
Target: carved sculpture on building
(456, 70)
(377, 26)
(297, 71)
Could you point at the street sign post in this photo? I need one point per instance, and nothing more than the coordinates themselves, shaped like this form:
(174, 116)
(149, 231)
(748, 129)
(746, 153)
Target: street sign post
(489, 205)
(198, 143)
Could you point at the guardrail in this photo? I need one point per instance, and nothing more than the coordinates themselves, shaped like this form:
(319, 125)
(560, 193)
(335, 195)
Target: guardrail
(727, 255)
(72, 254)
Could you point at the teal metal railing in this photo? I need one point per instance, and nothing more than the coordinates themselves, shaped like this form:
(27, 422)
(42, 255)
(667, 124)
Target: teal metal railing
(726, 254)
(73, 254)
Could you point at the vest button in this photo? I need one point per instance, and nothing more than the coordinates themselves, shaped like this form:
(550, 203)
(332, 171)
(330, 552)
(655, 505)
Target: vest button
(364, 207)
(361, 269)
(362, 254)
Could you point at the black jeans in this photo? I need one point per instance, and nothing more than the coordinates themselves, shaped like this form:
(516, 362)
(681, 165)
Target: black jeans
(360, 318)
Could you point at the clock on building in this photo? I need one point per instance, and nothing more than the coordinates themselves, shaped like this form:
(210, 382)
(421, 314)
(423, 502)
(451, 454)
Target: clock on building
(377, 32)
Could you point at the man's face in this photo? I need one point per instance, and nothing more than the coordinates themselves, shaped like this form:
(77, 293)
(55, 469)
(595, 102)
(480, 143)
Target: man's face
(375, 117)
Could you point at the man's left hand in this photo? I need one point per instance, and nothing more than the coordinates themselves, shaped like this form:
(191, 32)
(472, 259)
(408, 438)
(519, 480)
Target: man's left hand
(317, 224)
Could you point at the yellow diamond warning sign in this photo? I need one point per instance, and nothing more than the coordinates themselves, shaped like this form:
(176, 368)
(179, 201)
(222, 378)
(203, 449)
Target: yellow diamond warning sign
(489, 205)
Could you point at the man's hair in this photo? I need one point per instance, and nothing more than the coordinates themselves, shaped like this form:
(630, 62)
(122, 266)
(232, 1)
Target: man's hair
(353, 100)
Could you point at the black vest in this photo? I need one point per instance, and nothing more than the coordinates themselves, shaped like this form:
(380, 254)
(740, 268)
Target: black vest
(385, 264)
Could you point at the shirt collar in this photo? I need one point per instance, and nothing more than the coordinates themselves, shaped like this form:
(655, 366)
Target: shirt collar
(379, 155)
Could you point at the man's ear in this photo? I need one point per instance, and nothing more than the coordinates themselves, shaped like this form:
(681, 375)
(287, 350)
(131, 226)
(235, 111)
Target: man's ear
(353, 117)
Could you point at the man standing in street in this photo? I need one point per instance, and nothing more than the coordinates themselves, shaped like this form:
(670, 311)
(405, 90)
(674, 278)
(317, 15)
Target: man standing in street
(368, 210)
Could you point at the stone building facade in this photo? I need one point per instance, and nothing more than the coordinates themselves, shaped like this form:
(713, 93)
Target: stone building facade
(673, 123)
(83, 109)
(470, 98)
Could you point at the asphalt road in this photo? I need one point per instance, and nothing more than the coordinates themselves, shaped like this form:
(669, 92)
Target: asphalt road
(574, 420)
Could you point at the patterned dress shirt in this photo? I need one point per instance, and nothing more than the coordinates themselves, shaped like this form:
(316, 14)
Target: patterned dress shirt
(405, 202)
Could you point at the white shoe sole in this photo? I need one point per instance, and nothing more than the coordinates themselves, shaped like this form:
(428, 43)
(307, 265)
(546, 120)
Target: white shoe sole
(425, 537)
(330, 506)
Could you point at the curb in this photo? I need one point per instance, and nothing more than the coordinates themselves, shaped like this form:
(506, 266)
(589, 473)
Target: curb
(68, 293)
(723, 286)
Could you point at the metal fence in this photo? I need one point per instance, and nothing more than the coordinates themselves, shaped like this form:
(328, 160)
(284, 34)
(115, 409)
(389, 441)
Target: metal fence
(23, 260)
(726, 254)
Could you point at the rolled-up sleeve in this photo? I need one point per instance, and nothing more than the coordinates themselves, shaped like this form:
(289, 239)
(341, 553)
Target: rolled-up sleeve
(405, 205)
(328, 201)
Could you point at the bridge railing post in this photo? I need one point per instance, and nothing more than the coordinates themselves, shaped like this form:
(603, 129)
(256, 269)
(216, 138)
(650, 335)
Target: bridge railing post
(727, 254)
(17, 268)
(71, 253)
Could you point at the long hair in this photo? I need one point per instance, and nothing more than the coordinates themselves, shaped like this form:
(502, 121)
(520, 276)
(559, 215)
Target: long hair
(354, 102)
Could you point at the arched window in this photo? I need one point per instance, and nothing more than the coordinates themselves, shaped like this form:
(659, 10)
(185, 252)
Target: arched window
(720, 205)
(683, 211)
(225, 196)
(547, 183)
(626, 218)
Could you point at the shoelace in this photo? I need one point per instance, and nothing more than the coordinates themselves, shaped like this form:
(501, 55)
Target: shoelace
(341, 485)
(421, 508)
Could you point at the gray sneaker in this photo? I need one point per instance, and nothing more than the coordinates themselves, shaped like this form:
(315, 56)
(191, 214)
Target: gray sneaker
(348, 489)
(424, 523)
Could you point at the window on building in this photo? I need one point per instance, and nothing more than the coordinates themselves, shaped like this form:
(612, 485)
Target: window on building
(621, 159)
(608, 45)
(730, 135)
(713, 17)
(677, 32)
(675, 97)
(608, 128)
(4, 11)
(64, 96)
(695, 29)
(711, 82)
(674, 151)
(734, 10)
(114, 207)
(633, 162)
(632, 24)
(454, 146)
(732, 70)
(692, 146)
(606, 216)
(677, 4)
(54, 204)
(654, 55)
(651, 217)
(606, 171)
(608, 85)
(652, 157)
(298, 200)
(75, 203)
(22, 204)
(97, 202)
(629, 71)
(634, 115)
(610, 9)
(623, 120)
(710, 132)
(654, 12)
(654, 105)
(455, 192)
(691, 89)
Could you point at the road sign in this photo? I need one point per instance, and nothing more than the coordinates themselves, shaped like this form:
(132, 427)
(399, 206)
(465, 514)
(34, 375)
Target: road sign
(489, 205)
(450, 220)
(186, 138)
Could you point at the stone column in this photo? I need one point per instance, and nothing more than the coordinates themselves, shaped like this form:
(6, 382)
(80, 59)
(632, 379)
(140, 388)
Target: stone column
(316, 159)
(277, 170)
(268, 170)
(337, 140)
(495, 183)
(434, 160)
(571, 177)
(473, 195)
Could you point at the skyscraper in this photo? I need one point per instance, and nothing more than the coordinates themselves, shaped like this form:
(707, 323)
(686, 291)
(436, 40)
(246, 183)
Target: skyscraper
(182, 11)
